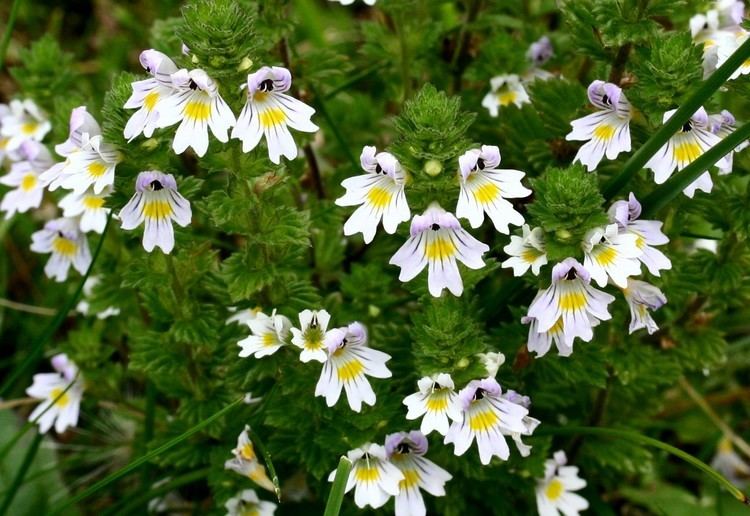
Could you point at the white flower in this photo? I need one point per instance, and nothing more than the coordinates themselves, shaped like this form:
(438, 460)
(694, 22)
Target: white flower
(270, 112)
(641, 298)
(648, 233)
(730, 464)
(541, 342)
(529, 422)
(406, 452)
(349, 363)
(485, 188)
(526, 252)
(724, 124)
(89, 206)
(434, 403)
(350, 2)
(380, 192)
(197, 106)
(373, 477)
(725, 45)
(608, 252)
(24, 176)
(68, 246)
(24, 121)
(505, 90)
(246, 463)
(606, 132)
(268, 335)
(243, 316)
(83, 305)
(555, 492)
(486, 416)
(61, 393)
(683, 148)
(310, 337)
(437, 241)
(491, 361)
(570, 302)
(156, 203)
(247, 503)
(149, 93)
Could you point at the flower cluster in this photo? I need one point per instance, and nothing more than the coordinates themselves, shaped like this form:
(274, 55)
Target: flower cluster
(347, 359)
(571, 306)
(436, 239)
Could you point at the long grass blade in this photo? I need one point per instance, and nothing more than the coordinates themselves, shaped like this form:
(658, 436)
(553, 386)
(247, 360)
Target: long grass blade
(336, 498)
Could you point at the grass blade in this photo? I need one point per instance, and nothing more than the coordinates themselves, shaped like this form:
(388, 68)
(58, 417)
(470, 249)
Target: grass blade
(333, 505)
(267, 458)
(21, 473)
(683, 113)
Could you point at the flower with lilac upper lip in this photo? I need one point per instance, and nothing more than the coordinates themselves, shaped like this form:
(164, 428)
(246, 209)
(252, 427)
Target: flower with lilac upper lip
(571, 301)
(406, 451)
(379, 193)
(349, 362)
(485, 188)
(270, 112)
(25, 176)
(61, 393)
(156, 203)
(438, 241)
(487, 417)
(555, 492)
(541, 342)
(540, 51)
(684, 147)
(197, 106)
(648, 233)
(505, 90)
(722, 125)
(67, 245)
(148, 93)
(611, 253)
(641, 298)
(526, 252)
(373, 477)
(435, 403)
(23, 121)
(529, 422)
(607, 131)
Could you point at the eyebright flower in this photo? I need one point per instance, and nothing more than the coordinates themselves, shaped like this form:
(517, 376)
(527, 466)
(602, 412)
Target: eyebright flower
(349, 363)
(61, 393)
(540, 51)
(713, 33)
(406, 452)
(90, 162)
(492, 360)
(148, 93)
(526, 252)
(156, 203)
(722, 125)
(609, 252)
(607, 131)
(311, 335)
(83, 305)
(683, 148)
(247, 503)
(380, 192)
(727, 462)
(485, 188)
(197, 106)
(541, 342)
(24, 121)
(434, 403)
(555, 492)
(505, 90)
(243, 316)
(641, 298)
(486, 416)
(437, 241)
(68, 246)
(89, 206)
(529, 422)
(350, 2)
(269, 334)
(373, 477)
(24, 176)
(648, 233)
(570, 301)
(270, 112)
(726, 44)
(246, 463)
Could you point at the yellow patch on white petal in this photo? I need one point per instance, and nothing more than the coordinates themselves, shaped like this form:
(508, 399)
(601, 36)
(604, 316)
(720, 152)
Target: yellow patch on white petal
(604, 132)
(487, 193)
(411, 479)
(349, 370)
(269, 339)
(379, 197)
(271, 117)
(4, 143)
(29, 128)
(367, 473)
(483, 420)
(530, 254)
(554, 490)
(28, 182)
(687, 152)
(505, 98)
(605, 255)
(248, 452)
(157, 209)
(97, 169)
(437, 402)
(571, 301)
(440, 248)
(59, 397)
(197, 110)
(64, 246)
(92, 202)
(150, 100)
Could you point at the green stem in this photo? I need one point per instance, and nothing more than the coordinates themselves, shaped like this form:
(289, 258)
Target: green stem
(353, 80)
(682, 115)
(665, 193)
(336, 497)
(320, 103)
(267, 458)
(21, 473)
(36, 349)
(8, 31)
(143, 459)
(649, 441)
(148, 430)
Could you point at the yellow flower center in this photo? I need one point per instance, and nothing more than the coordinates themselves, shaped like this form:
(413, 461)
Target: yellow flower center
(367, 473)
(97, 169)
(269, 339)
(28, 182)
(150, 100)
(604, 132)
(272, 116)
(640, 242)
(530, 254)
(379, 197)
(440, 248)
(64, 246)
(157, 209)
(554, 490)
(687, 152)
(437, 402)
(605, 255)
(198, 110)
(411, 479)
(92, 202)
(260, 96)
(487, 193)
(558, 326)
(29, 128)
(349, 370)
(483, 420)
(4, 143)
(247, 452)
(59, 397)
(571, 301)
(506, 97)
